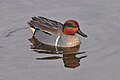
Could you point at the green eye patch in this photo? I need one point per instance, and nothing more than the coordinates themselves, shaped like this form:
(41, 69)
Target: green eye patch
(68, 25)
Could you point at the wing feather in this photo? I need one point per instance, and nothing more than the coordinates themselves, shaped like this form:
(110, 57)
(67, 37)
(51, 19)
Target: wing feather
(45, 24)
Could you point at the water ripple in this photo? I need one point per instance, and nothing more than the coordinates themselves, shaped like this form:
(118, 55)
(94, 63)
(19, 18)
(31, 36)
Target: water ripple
(10, 32)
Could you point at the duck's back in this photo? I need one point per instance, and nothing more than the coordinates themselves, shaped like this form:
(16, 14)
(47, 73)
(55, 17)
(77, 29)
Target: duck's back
(46, 25)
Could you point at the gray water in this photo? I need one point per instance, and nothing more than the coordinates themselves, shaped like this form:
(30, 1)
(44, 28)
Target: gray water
(99, 19)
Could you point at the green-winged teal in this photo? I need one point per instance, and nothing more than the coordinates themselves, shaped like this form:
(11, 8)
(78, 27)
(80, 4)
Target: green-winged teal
(55, 33)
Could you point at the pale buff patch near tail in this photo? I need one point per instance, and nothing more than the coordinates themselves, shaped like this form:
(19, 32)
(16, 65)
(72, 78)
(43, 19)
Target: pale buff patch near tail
(32, 29)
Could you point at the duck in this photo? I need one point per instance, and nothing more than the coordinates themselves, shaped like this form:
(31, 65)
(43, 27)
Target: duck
(54, 33)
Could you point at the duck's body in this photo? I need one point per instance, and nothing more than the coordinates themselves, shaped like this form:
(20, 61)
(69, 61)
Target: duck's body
(60, 40)
(54, 33)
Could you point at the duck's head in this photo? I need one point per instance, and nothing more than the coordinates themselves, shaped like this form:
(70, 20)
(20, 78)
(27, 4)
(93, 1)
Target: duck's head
(71, 27)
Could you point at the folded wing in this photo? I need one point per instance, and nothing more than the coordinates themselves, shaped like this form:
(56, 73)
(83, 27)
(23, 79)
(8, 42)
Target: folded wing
(46, 25)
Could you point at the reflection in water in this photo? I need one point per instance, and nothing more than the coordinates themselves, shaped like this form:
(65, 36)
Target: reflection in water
(71, 61)
(69, 54)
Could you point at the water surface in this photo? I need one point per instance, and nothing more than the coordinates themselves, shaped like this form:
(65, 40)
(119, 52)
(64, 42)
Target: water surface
(99, 19)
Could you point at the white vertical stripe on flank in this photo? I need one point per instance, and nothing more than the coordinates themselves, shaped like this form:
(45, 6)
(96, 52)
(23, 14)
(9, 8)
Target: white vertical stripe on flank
(56, 42)
(57, 39)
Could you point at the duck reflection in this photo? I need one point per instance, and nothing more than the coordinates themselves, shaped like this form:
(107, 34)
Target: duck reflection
(69, 58)
(71, 61)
